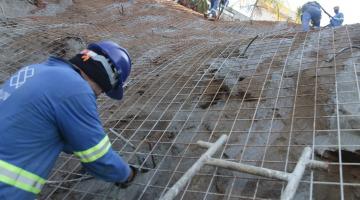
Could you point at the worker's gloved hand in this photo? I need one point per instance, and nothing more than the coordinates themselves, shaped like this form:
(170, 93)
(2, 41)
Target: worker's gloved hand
(133, 173)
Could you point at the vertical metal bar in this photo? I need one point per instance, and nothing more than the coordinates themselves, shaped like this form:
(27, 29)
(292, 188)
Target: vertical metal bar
(315, 115)
(175, 189)
(338, 121)
(297, 174)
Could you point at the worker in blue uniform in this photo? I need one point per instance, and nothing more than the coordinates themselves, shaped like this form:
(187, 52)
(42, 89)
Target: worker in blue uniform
(338, 19)
(51, 107)
(311, 12)
(214, 7)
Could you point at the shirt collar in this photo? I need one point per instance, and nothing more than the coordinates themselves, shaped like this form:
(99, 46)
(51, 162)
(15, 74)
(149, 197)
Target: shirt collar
(57, 60)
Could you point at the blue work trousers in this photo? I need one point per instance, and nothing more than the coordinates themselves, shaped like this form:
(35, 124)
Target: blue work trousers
(313, 14)
(214, 6)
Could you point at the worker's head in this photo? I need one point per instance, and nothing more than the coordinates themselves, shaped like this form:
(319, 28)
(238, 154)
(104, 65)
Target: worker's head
(336, 9)
(107, 64)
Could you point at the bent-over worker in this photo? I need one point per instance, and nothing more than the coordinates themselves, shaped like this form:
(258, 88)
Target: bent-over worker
(50, 107)
(311, 12)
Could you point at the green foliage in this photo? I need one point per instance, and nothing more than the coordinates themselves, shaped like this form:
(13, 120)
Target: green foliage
(277, 4)
(298, 14)
(202, 6)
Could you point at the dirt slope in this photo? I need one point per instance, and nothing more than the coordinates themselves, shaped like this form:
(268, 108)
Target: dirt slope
(191, 82)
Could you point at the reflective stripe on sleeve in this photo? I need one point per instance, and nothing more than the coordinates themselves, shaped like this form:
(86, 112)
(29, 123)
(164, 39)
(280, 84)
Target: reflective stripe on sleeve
(94, 152)
(20, 178)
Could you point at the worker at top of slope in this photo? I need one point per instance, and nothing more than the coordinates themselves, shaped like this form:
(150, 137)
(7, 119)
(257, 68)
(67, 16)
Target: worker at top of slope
(213, 13)
(338, 19)
(311, 12)
(51, 107)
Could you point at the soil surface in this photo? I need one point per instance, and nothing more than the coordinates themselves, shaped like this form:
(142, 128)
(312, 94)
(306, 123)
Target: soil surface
(193, 80)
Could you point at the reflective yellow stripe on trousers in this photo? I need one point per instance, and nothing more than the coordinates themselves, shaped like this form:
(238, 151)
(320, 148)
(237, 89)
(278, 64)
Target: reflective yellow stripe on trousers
(20, 178)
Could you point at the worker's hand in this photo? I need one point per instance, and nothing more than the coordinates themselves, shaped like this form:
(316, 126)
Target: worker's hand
(133, 173)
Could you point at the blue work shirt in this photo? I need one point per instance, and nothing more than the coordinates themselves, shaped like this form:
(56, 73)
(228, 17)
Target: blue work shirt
(45, 108)
(337, 20)
(311, 4)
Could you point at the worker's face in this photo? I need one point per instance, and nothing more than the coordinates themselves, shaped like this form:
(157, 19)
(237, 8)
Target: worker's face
(336, 10)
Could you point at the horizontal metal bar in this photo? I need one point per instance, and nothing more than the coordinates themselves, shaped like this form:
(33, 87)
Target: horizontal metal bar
(248, 169)
(204, 144)
(314, 164)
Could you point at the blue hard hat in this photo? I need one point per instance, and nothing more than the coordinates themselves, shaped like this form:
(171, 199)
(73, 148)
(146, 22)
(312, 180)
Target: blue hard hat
(119, 59)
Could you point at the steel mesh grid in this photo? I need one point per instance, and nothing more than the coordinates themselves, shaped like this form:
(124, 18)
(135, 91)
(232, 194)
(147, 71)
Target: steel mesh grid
(192, 97)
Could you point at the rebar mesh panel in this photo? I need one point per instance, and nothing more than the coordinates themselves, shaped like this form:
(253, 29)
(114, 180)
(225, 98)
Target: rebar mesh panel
(191, 82)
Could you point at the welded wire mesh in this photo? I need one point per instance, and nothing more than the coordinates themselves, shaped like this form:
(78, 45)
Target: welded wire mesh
(191, 82)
